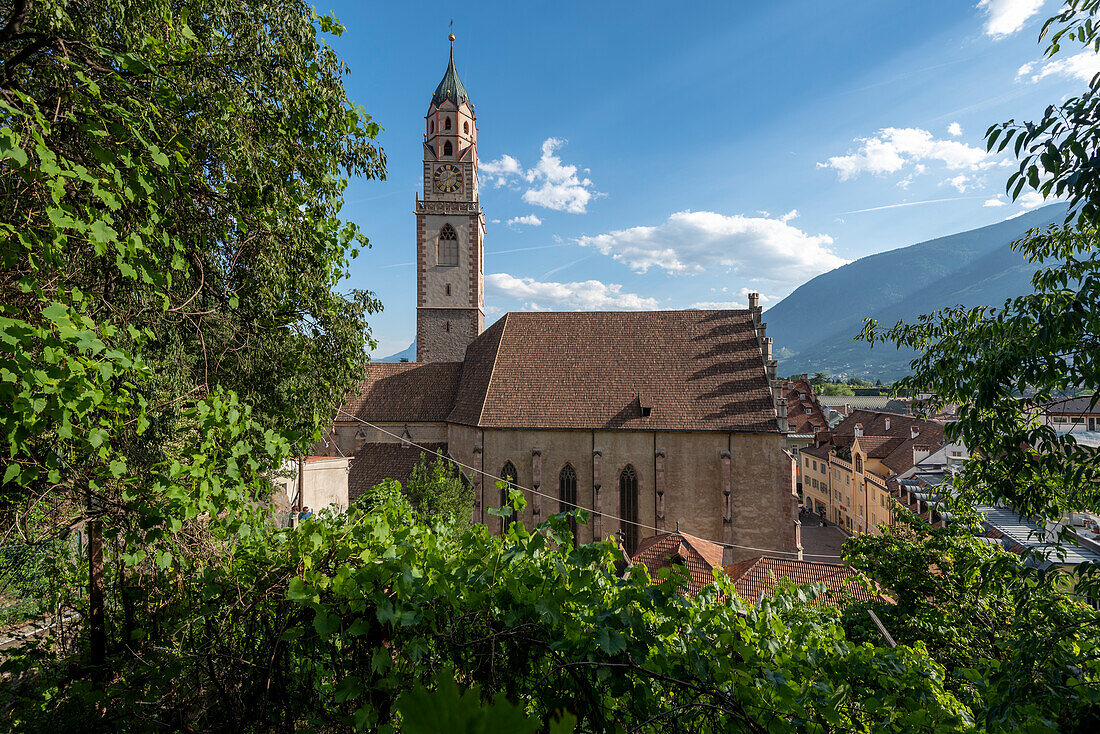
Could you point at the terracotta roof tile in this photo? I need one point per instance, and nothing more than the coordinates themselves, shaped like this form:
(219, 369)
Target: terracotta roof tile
(377, 461)
(405, 392)
(803, 416)
(755, 575)
(701, 370)
(699, 556)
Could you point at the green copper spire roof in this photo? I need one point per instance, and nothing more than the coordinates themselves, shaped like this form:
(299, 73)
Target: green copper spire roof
(450, 87)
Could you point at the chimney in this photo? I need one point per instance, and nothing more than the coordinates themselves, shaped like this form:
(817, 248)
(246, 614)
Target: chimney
(887, 424)
(914, 431)
(859, 429)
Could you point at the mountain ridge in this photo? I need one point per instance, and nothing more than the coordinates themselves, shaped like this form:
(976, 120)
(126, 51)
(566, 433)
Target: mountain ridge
(973, 268)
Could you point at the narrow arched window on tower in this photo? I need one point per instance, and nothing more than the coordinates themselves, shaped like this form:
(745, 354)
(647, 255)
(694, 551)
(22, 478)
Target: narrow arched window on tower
(431, 126)
(567, 496)
(466, 128)
(447, 326)
(446, 123)
(628, 508)
(508, 474)
(448, 289)
(448, 149)
(446, 251)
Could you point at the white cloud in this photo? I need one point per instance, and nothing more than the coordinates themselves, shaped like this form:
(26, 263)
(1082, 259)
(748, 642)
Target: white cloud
(1030, 200)
(588, 295)
(792, 214)
(1005, 17)
(550, 184)
(892, 149)
(993, 202)
(500, 170)
(961, 183)
(529, 220)
(693, 242)
(1083, 66)
(955, 129)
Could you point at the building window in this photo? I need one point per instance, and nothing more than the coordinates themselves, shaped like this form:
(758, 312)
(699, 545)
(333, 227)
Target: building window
(628, 508)
(448, 149)
(567, 496)
(466, 128)
(859, 464)
(815, 466)
(447, 248)
(431, 126)
(447, 288)
(447, 326)
(508, 474)
(446, 123)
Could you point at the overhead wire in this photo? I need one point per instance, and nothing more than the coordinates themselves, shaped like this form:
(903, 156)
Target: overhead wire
(514, 484)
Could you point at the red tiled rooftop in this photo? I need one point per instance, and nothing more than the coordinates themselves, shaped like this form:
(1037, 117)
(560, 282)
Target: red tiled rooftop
(755, 575)
(699, 556)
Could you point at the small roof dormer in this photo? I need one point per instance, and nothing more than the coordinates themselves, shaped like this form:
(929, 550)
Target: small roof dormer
(450, 87)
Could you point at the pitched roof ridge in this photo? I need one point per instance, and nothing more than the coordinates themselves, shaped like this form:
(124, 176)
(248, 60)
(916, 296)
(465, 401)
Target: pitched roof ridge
(493, 369)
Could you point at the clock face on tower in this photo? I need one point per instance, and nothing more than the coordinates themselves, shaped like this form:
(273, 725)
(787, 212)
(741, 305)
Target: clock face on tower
(447, 178)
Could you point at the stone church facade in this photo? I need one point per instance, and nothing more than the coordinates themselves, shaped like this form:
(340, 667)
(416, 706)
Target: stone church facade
(654, 421)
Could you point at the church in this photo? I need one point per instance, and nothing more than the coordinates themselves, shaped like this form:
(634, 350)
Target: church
(654, 421)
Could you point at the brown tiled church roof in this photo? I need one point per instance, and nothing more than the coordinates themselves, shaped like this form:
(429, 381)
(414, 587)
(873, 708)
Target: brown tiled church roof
(405, 392)
(755, 575)
(693, 370)
(377, 461)
(700, 557)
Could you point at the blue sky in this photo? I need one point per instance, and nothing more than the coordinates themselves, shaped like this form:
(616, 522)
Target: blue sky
(679, 155)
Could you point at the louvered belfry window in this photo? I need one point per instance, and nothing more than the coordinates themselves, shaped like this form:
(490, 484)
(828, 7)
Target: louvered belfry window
(447, 248)
(628, 508)
(508, 474)
(567, 495)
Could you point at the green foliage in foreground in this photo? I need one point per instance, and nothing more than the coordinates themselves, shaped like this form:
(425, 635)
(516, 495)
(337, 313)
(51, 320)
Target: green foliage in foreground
(328, 625)
(1015, 645)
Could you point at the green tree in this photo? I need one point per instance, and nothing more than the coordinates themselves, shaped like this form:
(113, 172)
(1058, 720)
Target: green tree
(831, 388)
(436, 489)
(171, 324)
(1014, 645)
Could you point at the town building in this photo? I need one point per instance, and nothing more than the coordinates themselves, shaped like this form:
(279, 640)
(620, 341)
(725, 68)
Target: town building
(1077, 415)
(651, 420)
(849, 476)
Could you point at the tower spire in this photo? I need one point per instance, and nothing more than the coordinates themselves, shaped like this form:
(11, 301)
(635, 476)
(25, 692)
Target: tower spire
(450, 87)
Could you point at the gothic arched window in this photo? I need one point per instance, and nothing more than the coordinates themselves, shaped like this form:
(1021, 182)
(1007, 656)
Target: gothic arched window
(859, 464)
(431, 126)
(447, 149)
(567, 495)
(628, 508)
(508, 474)
(446, 123)
(446, 250)
(466, 128)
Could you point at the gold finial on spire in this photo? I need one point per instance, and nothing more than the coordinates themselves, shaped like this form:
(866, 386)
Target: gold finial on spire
(451, 38)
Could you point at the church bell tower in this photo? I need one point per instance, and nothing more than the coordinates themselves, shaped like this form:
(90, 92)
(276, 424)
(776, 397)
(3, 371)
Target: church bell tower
(450, 228)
